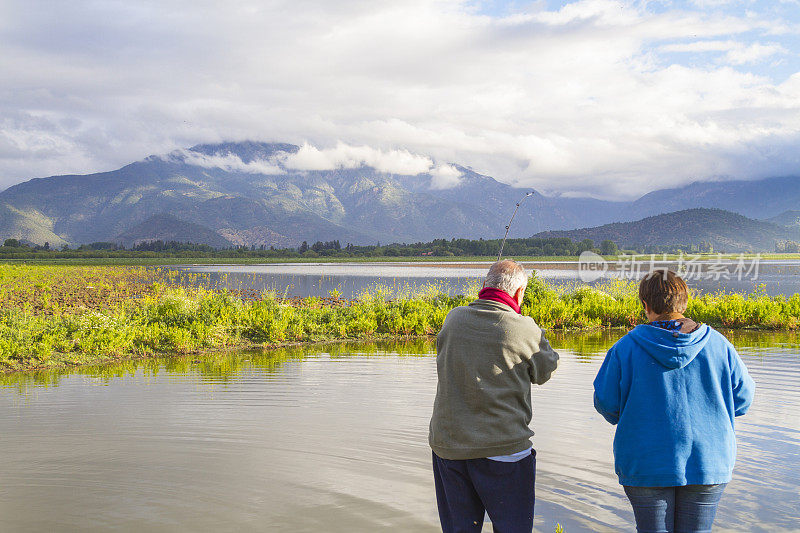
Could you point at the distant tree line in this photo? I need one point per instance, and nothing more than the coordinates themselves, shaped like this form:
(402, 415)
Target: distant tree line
(791, 247)
(704, 247)
(556, 246)
(13, 248)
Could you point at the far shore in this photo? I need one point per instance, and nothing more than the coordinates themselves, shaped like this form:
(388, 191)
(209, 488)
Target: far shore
(544, 261)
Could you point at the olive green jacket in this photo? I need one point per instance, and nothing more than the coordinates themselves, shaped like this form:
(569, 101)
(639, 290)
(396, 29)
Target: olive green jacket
(487, 356)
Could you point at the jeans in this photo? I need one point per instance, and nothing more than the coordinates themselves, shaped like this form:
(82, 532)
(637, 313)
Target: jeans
(687, 509)
(465, 488)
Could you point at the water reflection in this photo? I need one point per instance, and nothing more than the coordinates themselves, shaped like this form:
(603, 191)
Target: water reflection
(334, 438)
(222, 366)
(219, 366)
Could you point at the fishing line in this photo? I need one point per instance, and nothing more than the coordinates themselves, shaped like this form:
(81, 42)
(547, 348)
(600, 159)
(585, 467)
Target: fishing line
(503, 244)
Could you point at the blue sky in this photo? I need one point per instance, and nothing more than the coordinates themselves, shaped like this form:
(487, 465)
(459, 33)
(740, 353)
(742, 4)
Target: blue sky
(781, 65)
(609, 98)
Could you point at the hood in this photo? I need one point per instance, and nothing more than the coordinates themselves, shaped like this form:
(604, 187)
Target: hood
(671, 348)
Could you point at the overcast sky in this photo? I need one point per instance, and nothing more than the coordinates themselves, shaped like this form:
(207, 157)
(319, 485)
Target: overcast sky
(600, 97)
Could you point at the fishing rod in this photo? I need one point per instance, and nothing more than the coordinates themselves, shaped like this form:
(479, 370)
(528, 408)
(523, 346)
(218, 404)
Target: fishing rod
(503, 244)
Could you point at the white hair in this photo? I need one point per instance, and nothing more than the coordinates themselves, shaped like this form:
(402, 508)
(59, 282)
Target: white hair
(507, 275)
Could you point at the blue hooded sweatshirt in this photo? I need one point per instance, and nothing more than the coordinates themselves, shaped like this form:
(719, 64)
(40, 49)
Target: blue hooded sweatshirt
(673, 397)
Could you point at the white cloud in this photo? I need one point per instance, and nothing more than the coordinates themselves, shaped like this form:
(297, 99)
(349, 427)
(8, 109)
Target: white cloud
(737, 53)
(445, 177)
(579, 99)
(309, 157)
(345, 156)
(601, 12)
(714, 3)
(228, 162)
(700, 46)
(754, 53)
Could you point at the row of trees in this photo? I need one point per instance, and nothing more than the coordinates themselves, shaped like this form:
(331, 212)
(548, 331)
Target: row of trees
(703, 248)
(14, 248)
(436, 248)
(790, 247)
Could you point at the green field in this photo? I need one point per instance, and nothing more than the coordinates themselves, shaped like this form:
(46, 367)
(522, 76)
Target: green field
(54, 315)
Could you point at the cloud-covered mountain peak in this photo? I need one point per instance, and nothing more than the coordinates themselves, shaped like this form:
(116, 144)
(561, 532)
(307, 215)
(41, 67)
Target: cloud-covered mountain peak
(246, 151)
(282, 158)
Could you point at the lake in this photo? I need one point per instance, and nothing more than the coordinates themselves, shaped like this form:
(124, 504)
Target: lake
(351, 279)
(334, 438)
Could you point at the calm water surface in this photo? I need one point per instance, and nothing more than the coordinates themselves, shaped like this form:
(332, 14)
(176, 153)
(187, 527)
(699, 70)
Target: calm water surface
(350, 279)
(334, 438)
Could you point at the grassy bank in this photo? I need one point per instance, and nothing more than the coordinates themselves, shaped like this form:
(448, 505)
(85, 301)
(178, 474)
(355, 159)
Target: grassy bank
(54, 316)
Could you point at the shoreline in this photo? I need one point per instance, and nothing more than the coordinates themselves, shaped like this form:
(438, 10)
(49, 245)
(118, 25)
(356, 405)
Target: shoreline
(559, 336)
(56, 316)
(203, 354)
(421, 260)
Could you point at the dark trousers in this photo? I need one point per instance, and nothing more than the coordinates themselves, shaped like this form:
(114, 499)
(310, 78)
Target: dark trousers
(467, 488)
(688, 509)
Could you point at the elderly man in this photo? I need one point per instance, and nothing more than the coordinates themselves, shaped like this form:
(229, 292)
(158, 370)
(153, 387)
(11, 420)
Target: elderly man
(488, 355)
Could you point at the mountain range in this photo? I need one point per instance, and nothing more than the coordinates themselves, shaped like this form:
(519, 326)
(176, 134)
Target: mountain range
(244, 194)
(724, 231)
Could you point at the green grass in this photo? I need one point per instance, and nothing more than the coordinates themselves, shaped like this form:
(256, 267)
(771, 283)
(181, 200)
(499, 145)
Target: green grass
(55, 316)
(179, 320)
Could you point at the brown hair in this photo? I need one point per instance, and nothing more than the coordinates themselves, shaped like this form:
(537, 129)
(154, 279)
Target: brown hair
(664, 291)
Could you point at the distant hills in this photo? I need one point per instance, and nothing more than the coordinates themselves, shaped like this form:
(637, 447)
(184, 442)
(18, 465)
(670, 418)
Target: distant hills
(243, 194)
(755, 199)
(699, 227)
(789, 219)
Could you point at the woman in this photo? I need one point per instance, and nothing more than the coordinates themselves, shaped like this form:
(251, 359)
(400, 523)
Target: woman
(672, 387)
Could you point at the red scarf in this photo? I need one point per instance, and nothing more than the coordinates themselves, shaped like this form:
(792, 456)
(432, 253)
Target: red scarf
(496, 295)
